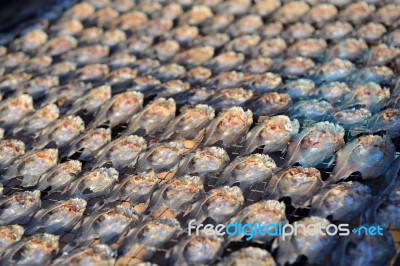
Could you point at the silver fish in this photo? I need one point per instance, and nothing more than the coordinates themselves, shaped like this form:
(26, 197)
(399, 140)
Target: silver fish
(107, 225)
(300, 184)
(156, 115)
(258, 65)
(273, 133)
(353, 117)
(172, 87)
(371, 32)
(348, 48)
(89, 143)
(369, 95)
(95, 72)
(38, 86)
(60, 45)
(300, 88)
(88, 54)
(122, 75)
(122, 152)
(296, 66)
(14, 109)
(151, 234)
(35, 250)
(190, 122)
(38, 120)
(248, 170)
(118, 109)
(226, 62)
(58, 217)
(60, 176)
(291, 12)
(382, 55)
(61, 131)
(229, 126)
(231, 97)
(32, 166)
(314, 110)
(9, 235)
(336, 30)
(161, 157)
(197, 56)
(169, 72)
(166, 50)
(98, 182)
(204, 162)
(352, 249)
(19, 207)
(315, 144)
(136, 188)
(316, 245)
(336, 69)
(11, 81)
(202, 249)
(248, 255)
(263, 212)
(342, 201)
(312, 48)
(333, 92)
(388, 213)
(219, 204)
(387, 120)
(272, 47)
(265, 82)
(177, 194)
(370, 155)
(100, 255)
(271, 103)
(10, 149)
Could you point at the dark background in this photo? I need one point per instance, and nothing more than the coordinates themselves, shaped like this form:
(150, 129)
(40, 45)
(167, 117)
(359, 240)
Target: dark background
(12, 12)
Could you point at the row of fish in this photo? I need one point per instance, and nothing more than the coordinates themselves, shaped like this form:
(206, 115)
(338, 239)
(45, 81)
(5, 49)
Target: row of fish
(98, 99)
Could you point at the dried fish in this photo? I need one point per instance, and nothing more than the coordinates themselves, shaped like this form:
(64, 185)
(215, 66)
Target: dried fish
(357, 12)
(92, 101)
(291, 12)
(190, 122)
(350, 118)
(227, 98)
(10, 149)
(248, 170)
(9, 235)
(14, 109)
(107, 225)
(98, 182)
(296, 66)
(352, 250)
(136, 188)
(229, 126)
(143, 235)
(371, 32)
(60, 45)
(198, 75)
(58, 217)
(298, 183)
(321, 14)
(92, 72)
(31, 166)
(170, 72)
(172, 88)
(121, 75)
(314, 110)
(219, 204)
(258, 65)
(121, 152)
(300, 88)
(273, 133)
(300, 31)
(388, 214)
(176, 195)
(202, 249)
(387, 120)
(61, 131)
(205, 162)
(336, 69)
(35, 250)
(88, 54)
(266, 82)
(89, 143)
(271, 103)
(350, 48)
(100, 255)
(271, 47)
(315, 144)
(312, 48)
(60, 176)
(118, 109)
(19, 207)
(249, 255)
(161, 157)
(370, 95)
(333, 92)
(154, 116)
(195, 56)
(263, 212)
(315, 245)
(336, 30)
(38, 120)
(342, 201)
(370, 155)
